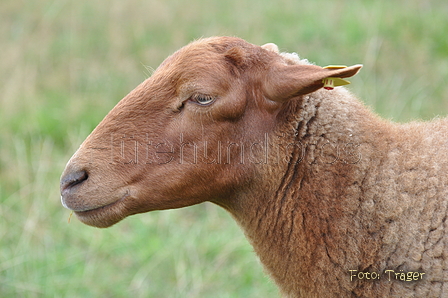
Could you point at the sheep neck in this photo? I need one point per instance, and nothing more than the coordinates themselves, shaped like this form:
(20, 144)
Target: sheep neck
(325, 216)
(301, 227)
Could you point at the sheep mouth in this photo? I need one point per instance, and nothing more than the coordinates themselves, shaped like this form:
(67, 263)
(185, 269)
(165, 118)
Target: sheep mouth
(104, 216)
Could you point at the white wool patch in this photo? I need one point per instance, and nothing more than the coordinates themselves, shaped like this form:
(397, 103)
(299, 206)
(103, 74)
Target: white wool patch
(293, 58)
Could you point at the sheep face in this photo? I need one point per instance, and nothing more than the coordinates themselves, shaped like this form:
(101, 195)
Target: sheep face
(197, 130)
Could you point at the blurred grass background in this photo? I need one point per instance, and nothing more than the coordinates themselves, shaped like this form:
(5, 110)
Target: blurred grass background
(65, 64)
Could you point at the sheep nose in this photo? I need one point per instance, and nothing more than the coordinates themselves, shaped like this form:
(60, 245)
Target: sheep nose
(71, 179)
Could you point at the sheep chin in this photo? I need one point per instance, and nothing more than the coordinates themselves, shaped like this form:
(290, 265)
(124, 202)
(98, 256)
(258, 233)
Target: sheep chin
(105, 216)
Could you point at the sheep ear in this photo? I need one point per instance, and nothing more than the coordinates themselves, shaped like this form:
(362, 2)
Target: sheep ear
(286, 81)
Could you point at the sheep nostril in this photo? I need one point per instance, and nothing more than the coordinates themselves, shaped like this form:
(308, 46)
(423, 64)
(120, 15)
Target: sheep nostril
(71, 179)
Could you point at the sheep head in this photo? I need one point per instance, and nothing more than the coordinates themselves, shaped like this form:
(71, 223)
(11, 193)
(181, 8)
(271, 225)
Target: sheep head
(190, 133)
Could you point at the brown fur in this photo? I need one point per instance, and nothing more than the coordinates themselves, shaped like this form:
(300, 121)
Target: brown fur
(319, 184)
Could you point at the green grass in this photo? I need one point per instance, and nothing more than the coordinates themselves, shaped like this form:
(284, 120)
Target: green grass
(65, 64)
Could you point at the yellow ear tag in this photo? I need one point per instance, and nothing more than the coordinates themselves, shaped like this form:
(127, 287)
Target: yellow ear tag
(330, 83)
(335, 66)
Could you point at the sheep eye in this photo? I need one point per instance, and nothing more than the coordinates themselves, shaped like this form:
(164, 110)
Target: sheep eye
(203, 99)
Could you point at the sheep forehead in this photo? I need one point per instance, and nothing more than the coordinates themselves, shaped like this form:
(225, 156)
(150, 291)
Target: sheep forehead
(202, 61)
(213, 47)
(201, 54)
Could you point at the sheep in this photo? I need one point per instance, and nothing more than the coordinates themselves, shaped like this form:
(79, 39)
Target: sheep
(335, 201)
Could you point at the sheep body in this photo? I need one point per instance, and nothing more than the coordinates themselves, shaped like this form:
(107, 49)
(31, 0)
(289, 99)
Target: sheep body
(341, 203)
